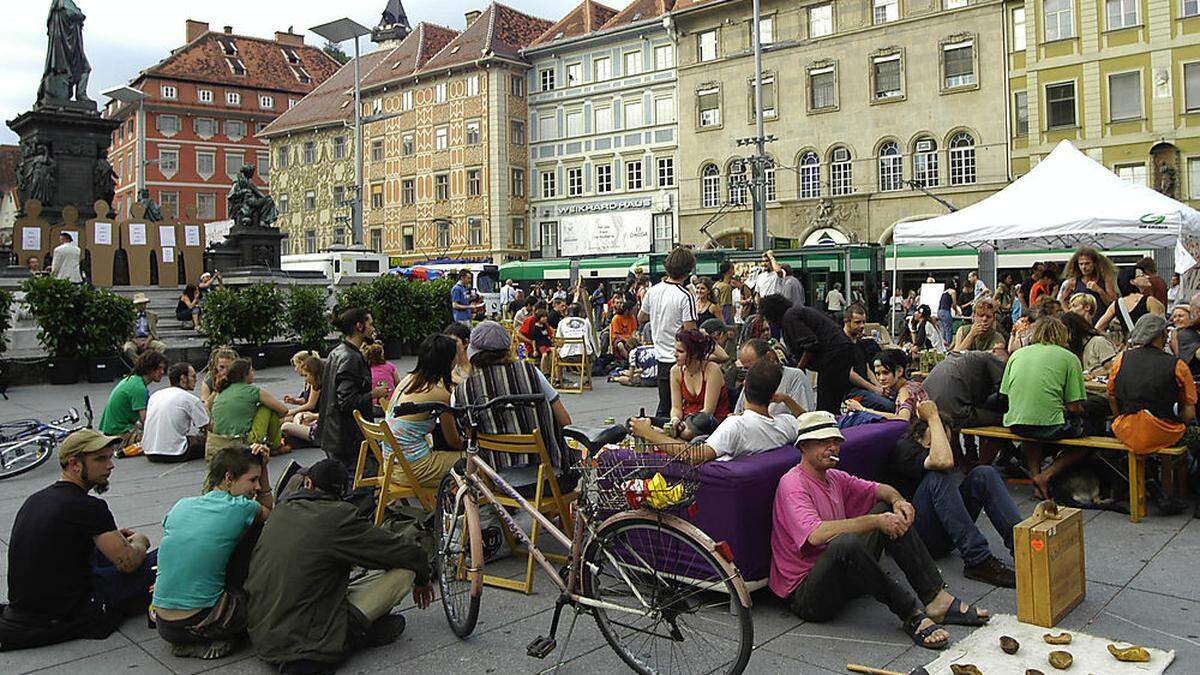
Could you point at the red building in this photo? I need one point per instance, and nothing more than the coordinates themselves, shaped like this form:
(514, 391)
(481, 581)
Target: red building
(199, 110)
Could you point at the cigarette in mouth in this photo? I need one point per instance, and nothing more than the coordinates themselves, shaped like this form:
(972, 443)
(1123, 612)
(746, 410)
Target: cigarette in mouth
(835, 458)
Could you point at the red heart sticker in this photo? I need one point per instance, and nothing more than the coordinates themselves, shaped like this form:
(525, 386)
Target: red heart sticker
(1037, 545)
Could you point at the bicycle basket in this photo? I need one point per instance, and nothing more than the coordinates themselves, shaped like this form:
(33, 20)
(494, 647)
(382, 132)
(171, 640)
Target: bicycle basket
(638, 475)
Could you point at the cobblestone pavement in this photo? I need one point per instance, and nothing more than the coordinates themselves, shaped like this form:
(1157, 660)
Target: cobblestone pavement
(1141, 583)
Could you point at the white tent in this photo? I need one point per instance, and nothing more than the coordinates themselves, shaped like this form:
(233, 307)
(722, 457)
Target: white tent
(1067, 200)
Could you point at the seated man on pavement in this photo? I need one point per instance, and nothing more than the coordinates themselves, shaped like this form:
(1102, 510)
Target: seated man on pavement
(829, 528)
(205, 556)
(795, 384)
(304, 613)
(145, 331)
(756, 430)
(863, 385)
(921, 468)
(71, 572)
(176, 419)
(125, 411)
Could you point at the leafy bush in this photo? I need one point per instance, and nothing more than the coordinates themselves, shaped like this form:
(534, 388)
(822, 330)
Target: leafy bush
(219, 316)
(6, 302)
(107, 324)
(394, 310)
(307, 317)
(403, 310)
(432, 303)
(78, 321)
(250, 315)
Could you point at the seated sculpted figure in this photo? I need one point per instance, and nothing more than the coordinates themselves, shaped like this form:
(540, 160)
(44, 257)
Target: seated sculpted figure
(248, 205)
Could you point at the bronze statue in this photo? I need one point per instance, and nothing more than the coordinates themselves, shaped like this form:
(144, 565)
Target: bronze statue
(248, 206)
(104, 180)
(39, 176)
(66, 75)
(152, 212)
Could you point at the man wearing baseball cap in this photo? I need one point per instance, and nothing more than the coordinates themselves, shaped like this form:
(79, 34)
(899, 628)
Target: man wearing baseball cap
(829, 528)
(59, 588)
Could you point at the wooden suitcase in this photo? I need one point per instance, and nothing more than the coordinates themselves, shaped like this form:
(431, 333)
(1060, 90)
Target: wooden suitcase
(1050, 567)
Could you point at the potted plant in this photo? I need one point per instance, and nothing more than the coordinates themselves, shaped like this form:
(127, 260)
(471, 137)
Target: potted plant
(260, 311)
(58, 307)
(307, 317)
(431, 300)
(219, 319)
(107, 323)
(394, 313)
(6, 302)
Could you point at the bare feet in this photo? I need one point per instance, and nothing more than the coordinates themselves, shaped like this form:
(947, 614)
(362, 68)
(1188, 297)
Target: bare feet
(1041, 486)
(939, 607)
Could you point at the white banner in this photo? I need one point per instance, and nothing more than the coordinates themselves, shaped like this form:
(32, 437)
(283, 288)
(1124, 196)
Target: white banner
(606, 233)
(216, 231)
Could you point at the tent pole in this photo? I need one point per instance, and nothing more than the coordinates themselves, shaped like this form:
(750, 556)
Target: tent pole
(895, 288)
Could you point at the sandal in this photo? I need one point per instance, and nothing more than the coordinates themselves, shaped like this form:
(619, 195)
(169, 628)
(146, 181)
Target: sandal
(956, 617)
(920, 635)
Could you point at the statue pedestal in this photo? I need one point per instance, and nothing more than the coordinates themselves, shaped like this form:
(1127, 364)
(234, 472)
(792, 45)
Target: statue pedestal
(246, 247)
(76, 137)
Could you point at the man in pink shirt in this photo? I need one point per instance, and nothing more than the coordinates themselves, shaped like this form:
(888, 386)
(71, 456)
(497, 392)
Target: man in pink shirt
(829, 530)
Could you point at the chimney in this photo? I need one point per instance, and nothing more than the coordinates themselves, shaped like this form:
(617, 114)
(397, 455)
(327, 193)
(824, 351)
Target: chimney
(289, 38)
(194, 29)
(228, 30)
(471, 16)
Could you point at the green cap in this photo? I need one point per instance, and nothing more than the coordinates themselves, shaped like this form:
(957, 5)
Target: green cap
(84, 442)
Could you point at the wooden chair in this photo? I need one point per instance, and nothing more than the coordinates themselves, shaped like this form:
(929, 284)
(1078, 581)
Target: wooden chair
(547, 498)
(580, 365)
(376, 434)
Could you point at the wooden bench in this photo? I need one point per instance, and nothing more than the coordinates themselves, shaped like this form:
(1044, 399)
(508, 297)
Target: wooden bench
(1137, 463)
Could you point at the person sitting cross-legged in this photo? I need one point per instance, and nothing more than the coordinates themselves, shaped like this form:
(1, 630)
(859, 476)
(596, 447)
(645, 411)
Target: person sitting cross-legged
(125, 410)
(205, 555)
(72, 573)
(758, 429)
(304, 612)
(921, 467)
(829, 528)
(176, 420)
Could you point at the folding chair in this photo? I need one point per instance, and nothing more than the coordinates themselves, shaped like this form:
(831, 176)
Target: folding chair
(523, 478)
(377, 433)
(559, 365)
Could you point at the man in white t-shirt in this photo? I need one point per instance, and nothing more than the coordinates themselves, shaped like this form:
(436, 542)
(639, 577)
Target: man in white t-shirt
(575, 326)
(754, 431)
(175, 419)
(770, 280)
(669, 308)
(795, 383)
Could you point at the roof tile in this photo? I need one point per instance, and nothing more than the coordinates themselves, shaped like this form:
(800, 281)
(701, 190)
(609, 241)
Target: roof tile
(639, 10)
(421, 44)
(265, 63)
(330, 103)
(588, 16)
(500, 30)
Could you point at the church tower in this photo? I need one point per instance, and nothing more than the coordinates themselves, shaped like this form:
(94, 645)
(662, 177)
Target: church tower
(393, 25)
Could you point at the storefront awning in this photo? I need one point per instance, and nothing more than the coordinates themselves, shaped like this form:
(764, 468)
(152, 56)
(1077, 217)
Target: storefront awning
(603, 267)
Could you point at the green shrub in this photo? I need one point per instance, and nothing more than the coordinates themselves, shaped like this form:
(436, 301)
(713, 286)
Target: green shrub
(432, 303)
(58, 307)
(107, 324)
(6, 302)
(307, 317)
(219, 317)
(394, 310)
(250, 315)
(402, 309)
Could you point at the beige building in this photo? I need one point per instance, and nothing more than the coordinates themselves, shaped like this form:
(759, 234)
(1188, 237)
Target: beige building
(860, 97)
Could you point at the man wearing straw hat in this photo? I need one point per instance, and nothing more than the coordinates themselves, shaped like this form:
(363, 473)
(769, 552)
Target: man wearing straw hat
(145, 330)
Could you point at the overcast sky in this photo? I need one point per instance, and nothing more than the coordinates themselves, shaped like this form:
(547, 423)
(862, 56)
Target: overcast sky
(121, 37)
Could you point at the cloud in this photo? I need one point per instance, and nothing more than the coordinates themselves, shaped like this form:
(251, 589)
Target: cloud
(122, 37)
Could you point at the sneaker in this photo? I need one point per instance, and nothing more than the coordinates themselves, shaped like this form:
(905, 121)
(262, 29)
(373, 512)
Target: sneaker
(386, 630)
(991, 571)
(216, 649)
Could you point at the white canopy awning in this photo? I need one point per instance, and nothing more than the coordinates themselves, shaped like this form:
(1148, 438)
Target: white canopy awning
(1067, 200)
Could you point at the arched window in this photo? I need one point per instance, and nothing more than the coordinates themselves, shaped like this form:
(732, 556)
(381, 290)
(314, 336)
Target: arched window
(710, 186)
(810, 175)
(891, 167)
(841, 171)
(738, 183)
(925, 162)
(962, 159)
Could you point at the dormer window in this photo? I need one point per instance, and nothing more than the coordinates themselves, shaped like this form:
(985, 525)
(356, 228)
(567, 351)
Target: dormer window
(290, 54)
(228, 47)
(235, 65)
(301, 74)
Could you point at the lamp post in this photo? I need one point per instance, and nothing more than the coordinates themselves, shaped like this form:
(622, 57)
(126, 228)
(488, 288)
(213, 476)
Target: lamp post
(336, 32)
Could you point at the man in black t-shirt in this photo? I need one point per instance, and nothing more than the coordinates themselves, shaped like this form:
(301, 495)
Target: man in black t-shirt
(921, 467)
(71, 572)
(817, 342)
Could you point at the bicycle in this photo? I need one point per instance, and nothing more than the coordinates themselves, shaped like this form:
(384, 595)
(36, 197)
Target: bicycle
(665, 597)
(26, 444)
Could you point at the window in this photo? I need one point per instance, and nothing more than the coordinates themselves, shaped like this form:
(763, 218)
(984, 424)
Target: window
(710, 186)
(206, 163)
(891, 167)
(232, 98)
(633, 64)
(925, 163)
(574, 74)
(666, 172)
(1060, 105)
(473, 182)
(604, 178)
(408, 191)
(339, 147)
(886, 11)
(886, 73)
(1133, 173)
(959, 64)
(167, 125)
(1121, 13)
(841, 172)
(1021, 113)
(439, 92)
(441, 187)
(962, 159)
(664, 232)
(204, 95)
(547, 79)
(1058, 19)
(547, 127)
(709, 104)
(471, 135)
(574, 181)
(169, 92)
(603, 118)
(473, 85)
(266, 102)
(518, 231)
(633, 114)
(1125, 96)
(283, 203)
(310, 200)
(633, 175)
(406, 101)
(292, 103)
(169, 201)
(955, 4)
(738, 183)
(549, 184)
(339, 236)
(310, 151)
(664, 57)
(820, 21)
(766, 31)
(517, 133)
(602, 69)
(475, 232)
(770, 111)
(262, 163)
(377, 240)
(168, 161)
(1018, 29)
(706, 45)
(822, 88)
(407, 238)
(518, 182)
(443, 233)
(1191, 8)
(549, 240)
(281, 158)
(575, 123)
(310, 241)
(516, 86)
(235, 129)
(206, 206)
(664, 110)
(377, 195)
(408, 144)
(441, 138)
(769, 185)
(339, 196)
(810, 175)
(205, 127)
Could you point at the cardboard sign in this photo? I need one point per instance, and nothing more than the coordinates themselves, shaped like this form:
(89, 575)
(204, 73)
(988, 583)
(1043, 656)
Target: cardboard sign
(168, 256)
(102, 233)
(166, 236)
(31, 238)
(191, 235)
(137, 234)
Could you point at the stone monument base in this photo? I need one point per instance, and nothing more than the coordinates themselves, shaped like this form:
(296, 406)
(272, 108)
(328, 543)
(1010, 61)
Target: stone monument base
(246, 247)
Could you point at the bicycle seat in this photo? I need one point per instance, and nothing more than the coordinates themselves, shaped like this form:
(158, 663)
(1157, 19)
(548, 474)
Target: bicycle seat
(595, 437)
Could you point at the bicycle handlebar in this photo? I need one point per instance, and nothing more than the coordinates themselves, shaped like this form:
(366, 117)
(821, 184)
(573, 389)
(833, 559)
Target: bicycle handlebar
(437, 408)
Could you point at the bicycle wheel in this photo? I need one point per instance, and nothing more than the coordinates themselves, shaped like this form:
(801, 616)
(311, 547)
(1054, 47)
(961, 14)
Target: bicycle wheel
(680, 597)
(459, 561)
(21, 456)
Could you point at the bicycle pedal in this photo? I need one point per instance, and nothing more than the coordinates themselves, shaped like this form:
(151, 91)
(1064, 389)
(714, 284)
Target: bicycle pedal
(541, 647)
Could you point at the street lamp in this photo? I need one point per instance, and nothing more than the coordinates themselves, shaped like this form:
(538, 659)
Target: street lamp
(337, 32)
(126, 94)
